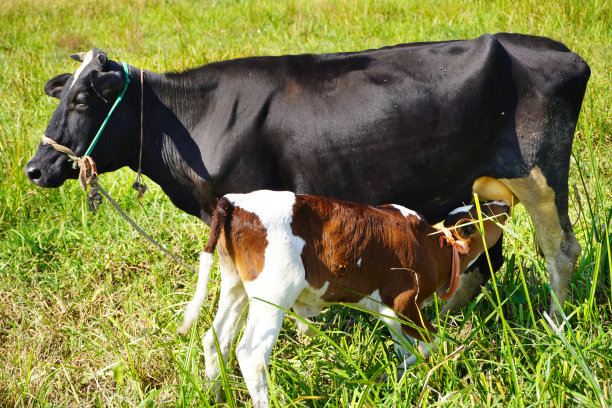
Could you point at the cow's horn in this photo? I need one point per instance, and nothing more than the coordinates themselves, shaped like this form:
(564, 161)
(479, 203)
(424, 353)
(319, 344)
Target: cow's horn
(78, 57)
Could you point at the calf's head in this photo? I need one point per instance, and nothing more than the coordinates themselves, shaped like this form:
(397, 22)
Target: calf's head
(464, 224)
(85, 98)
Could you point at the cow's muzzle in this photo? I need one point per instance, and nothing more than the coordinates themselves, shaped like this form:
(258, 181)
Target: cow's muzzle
(50, 173)
(33, 173)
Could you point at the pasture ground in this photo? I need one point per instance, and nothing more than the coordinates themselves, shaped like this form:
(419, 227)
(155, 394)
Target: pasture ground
(88, 310)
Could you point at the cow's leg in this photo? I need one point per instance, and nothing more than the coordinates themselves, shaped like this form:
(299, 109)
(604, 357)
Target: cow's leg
(472, 280)
(227, 323)
(553, 230)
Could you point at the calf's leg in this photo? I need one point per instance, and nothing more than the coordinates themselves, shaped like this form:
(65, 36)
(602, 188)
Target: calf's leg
(417, 330)
(253, 351)
(422, 331)
(273, 292)
(404, 335)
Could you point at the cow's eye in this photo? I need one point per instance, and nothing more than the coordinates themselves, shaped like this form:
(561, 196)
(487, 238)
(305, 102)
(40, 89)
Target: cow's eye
(80, 102)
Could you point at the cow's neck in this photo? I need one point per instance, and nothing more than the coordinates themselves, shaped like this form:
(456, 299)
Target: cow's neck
(171, 156)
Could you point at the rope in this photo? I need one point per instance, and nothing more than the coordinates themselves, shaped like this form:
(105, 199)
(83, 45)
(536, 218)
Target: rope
(141, 231)
(141, 124)
(138, 184)
(48, 141)
(119, 98)
(88, 176)
(458, 246)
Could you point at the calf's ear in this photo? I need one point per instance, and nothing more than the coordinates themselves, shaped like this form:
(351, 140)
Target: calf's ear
(107, 84)
(54, 86)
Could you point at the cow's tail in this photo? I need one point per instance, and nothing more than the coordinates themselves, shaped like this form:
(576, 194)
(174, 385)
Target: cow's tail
(192, 311)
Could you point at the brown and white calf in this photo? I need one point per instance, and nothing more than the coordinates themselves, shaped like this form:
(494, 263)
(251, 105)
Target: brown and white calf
(280, 250)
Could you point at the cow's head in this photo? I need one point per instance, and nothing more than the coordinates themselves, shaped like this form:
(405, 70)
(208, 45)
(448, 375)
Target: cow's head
(85, 97)
(465, 226)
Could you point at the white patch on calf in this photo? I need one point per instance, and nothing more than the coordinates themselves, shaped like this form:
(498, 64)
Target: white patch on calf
(468, 208)
(374, 304)
(282, 257)
(465, 208)
(275, 289)
(405, 211)
(88, 58)
(498, 202)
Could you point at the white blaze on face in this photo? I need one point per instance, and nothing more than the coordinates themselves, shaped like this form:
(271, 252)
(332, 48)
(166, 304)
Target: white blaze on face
(465, 208)
(88, 58)
(502, 203)
(471, 207)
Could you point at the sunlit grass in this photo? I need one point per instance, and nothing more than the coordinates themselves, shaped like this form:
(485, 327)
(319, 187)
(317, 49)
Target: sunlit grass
(88, 309)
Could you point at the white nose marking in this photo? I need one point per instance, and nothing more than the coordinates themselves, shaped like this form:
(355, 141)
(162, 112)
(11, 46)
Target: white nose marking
(78, 72)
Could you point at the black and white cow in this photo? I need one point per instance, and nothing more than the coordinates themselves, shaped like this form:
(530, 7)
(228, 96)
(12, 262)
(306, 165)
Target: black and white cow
(414, 124)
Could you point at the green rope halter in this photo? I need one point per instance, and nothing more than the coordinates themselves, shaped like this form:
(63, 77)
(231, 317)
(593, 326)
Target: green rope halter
(95, 140)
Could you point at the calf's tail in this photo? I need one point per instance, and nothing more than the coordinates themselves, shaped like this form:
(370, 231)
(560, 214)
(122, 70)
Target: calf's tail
(192, 311)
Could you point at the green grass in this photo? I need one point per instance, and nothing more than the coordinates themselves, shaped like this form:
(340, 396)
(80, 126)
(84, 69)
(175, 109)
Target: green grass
(88, 309)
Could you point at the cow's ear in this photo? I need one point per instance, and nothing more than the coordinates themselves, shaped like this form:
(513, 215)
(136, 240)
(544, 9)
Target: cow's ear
(101, 56)
(107, 84)
(54, 86)
(465, 228)
(79, 56)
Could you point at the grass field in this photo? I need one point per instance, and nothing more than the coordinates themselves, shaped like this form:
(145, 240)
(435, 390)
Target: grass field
(88, 309)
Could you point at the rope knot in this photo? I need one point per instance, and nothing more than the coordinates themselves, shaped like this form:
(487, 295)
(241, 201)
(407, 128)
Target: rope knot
(458, 244)
(88, 173)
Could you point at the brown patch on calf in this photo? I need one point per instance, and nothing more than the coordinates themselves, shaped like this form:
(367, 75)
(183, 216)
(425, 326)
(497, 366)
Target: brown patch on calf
(399, 257)
(244, 239)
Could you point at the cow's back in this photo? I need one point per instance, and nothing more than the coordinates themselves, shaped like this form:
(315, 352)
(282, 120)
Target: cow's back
(414, 124)
(417, 124)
